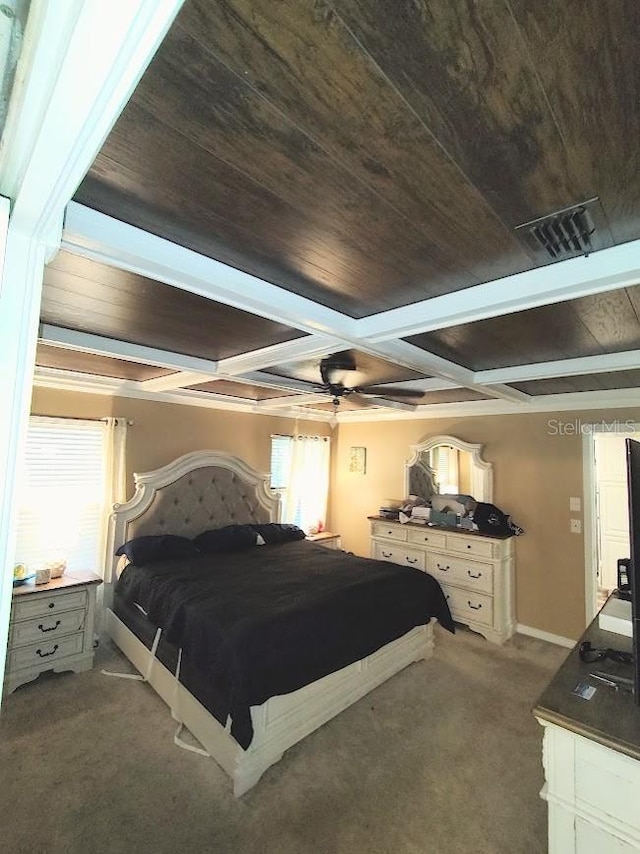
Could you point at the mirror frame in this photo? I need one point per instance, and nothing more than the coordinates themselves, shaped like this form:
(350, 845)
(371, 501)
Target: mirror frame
(481, 470)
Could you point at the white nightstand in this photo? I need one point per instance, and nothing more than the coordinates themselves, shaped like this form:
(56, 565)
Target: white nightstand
(326, 539)
(51, 628)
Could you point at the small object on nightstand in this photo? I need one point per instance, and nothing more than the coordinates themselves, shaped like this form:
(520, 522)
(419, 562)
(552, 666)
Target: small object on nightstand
(43, 576)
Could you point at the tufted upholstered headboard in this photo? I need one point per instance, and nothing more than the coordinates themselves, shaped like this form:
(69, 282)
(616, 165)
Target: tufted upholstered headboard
(196, 492)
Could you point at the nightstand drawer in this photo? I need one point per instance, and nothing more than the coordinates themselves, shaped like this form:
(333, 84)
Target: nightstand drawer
(475, 546)
(47, 627)
(46, 652)
(37, 605)
(389, 532)
(465, 573)
(468, 606)
(399, 554)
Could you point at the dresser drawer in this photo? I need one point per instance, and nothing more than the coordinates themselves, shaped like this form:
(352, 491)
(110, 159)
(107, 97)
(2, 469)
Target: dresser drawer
(389, 532)
(469, 606)
(46, 652)
(47, 627)
(38, 605)
(465, 573)
(475, 546)
(427, 537)
(399, 554)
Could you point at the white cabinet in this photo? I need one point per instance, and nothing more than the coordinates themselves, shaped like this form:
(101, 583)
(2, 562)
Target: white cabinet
(592, 793)
(51, 628)
(475, 572)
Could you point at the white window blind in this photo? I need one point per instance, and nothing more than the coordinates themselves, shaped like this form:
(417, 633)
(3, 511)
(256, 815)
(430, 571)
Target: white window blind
(62, 494)
(281, 447)
(445, 465)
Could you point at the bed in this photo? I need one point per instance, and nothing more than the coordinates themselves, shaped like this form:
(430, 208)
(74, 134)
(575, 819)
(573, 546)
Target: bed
(289, 685)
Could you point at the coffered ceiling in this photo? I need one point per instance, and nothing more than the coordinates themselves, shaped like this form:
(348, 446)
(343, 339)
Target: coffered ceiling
(300, 178)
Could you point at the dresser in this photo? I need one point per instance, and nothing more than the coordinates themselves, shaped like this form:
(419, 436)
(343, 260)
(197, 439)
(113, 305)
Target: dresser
(51, 628)
(476, 572)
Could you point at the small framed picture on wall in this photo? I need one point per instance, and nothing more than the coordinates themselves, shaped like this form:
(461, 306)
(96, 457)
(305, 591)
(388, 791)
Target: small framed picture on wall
(358, 460)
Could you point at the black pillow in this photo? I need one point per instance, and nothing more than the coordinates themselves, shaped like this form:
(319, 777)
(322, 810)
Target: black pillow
(231, 538)
(274, 532)
(141, 550)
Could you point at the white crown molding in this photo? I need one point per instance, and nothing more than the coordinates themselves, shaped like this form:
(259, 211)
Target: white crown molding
(605, 270)
(90, 384)
(609, 399)
(59, 380)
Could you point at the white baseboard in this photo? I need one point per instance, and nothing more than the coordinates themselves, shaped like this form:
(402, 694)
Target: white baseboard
(546, 636)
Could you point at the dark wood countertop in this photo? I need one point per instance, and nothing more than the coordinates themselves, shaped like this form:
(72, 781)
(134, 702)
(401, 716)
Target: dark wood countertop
(611, 717)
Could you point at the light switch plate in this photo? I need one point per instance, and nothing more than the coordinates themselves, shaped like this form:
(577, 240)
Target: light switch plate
(576, 526)
(575, 505)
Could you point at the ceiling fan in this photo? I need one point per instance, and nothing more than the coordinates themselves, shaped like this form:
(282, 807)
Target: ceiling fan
(336, 371)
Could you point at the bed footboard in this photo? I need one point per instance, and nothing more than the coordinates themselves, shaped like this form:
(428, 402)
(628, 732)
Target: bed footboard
(283, 720)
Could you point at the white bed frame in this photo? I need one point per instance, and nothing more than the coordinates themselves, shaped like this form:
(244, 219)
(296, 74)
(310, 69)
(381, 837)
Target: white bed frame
(283, 720)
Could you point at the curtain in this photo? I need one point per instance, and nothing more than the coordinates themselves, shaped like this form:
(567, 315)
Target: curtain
(305, 499)
(115, 479)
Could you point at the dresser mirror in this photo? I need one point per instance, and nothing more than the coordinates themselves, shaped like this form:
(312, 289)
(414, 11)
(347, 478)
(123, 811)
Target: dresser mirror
(447, 465)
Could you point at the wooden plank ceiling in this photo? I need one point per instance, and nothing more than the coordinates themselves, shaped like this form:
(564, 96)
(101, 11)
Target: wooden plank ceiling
(369, 154)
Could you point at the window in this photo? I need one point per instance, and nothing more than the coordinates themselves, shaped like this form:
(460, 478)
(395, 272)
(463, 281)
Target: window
(444, 462)
(62, 492)
(300, 474)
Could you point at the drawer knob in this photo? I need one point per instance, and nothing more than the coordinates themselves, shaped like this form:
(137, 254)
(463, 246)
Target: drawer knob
(474, 607)
(471, 575)
(411, 560)
(45, 654)
(468, 545)
(50, 628)
(387, 554)
(443, 568)
(52, 604)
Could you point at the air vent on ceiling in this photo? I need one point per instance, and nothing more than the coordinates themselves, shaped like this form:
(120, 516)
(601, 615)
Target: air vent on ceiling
(577, 230)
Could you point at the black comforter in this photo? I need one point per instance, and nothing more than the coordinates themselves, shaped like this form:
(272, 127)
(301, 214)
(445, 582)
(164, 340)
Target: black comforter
(272, 619)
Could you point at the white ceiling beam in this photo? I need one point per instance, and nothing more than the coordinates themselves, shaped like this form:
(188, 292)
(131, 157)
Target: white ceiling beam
(309, 347)
(605, 270)
(601, 364)
(81, 62)
(85, 342)
(268, 381)
(181, 379)
(94, 235)
(293, 400)
(409, 355)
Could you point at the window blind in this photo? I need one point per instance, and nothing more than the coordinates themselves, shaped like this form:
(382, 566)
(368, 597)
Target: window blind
(61, 493)
(281, 447)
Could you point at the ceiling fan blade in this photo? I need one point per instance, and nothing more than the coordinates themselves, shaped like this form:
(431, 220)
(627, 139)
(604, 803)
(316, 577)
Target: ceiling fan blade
(359, 399)
(387, 391)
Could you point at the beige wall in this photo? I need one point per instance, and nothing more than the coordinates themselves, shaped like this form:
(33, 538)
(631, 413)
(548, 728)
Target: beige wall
(163, 431)
(535, 473)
